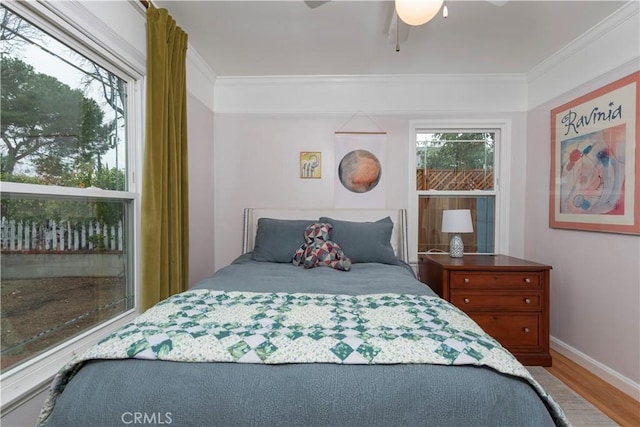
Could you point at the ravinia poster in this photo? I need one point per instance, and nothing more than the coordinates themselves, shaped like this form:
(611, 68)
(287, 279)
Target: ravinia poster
(594, 160)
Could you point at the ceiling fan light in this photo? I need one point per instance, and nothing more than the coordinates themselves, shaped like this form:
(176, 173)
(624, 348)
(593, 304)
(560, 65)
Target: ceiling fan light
(417, 12)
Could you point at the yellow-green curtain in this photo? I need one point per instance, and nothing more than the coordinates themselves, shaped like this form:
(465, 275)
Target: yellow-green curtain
(165, 197)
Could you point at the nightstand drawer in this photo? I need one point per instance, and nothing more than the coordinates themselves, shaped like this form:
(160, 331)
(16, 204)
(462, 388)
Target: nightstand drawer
(511, 330)
(495, 280)
(469, 301)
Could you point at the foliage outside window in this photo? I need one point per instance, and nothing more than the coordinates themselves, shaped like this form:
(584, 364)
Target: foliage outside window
(455, 170)
(66, 210)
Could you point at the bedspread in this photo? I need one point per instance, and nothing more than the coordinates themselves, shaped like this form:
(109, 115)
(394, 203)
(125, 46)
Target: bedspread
(281, 328)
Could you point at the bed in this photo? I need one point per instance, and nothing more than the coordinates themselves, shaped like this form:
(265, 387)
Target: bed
(266, 342)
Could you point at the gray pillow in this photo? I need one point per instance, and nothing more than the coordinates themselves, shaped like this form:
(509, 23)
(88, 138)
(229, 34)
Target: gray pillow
(364, 241)
(278, 239)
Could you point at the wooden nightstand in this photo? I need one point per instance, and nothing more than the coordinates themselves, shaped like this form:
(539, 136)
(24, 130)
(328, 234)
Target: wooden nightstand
(508, 297)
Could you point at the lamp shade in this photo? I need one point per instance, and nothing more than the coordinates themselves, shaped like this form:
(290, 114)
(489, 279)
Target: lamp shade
(457, 221)
(417, 12)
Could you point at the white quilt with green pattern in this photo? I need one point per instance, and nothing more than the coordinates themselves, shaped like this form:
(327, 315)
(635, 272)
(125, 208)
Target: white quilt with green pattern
(274, 328)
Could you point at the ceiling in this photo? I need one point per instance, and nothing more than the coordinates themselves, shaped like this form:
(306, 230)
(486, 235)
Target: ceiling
(264, 38)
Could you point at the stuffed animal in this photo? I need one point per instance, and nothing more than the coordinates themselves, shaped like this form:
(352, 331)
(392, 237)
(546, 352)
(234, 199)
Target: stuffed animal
(318, 249)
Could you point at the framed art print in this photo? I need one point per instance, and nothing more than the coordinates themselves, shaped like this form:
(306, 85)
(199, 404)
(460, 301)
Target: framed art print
(595, 158)
(310, 164)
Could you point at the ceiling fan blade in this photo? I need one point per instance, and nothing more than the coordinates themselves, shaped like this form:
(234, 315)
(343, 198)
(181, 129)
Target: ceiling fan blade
(315, 3)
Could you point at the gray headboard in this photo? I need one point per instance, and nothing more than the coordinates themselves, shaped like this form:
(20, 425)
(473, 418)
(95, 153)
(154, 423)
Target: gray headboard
(398, 216)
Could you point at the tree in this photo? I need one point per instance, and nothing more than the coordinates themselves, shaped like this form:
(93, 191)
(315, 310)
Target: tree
(460, 151)
(57, 128)
(113, 87)
(13, 30)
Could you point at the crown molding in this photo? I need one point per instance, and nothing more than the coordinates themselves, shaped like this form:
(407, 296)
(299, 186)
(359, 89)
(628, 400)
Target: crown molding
(390, 94)
(418, 79)
(201, 65)
(613, 21)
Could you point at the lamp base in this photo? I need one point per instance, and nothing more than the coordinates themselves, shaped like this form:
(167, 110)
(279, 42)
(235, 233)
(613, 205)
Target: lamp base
(456, 247)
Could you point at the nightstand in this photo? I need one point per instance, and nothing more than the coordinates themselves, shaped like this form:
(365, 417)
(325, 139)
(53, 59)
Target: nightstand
(508, 297)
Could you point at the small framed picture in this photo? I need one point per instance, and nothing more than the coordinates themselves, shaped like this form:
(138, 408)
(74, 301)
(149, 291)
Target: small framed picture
(310, 164)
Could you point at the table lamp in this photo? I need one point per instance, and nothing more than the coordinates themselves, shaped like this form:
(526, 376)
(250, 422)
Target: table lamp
(456, 221)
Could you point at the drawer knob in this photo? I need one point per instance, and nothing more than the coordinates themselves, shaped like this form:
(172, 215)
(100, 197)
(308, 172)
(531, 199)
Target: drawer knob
(527, 300)
(466, 280)
(526, 330)
(527, 280)
(466, 300)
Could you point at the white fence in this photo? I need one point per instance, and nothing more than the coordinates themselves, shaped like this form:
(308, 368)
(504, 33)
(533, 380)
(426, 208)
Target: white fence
(66, 236)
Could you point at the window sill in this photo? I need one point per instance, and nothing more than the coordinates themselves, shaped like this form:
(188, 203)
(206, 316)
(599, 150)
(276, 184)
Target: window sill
(33, 376)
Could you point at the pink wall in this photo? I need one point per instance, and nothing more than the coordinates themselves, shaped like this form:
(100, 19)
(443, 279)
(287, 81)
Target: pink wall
(256, 162)
(595, 281)
(201, 234)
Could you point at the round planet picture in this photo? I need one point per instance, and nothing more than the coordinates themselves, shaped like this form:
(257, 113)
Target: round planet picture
(359, 171)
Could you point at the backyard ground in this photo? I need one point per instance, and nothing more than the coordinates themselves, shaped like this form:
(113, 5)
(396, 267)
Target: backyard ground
(37, 314)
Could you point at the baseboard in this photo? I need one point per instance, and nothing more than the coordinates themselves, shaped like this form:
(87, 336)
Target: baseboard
(614, 378)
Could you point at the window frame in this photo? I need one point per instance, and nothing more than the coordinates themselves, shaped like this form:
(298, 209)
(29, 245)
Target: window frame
(502, 153)
(69, 23)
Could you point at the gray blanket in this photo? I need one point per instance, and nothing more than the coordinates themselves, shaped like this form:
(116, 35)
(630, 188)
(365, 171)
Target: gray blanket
(364, 278)
(121, 392)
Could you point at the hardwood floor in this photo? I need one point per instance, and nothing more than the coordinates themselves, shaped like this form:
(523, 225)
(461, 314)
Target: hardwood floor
(617, 405)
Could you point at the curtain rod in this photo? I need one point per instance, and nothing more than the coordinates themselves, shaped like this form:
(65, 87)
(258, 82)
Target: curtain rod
(145, 3)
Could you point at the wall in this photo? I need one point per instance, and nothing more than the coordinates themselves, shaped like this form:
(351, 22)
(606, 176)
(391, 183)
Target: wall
(200, 88)
(256, 165)
(201, 232)
(256, 158)
(261, 125)
(200, 91)
(595, 281)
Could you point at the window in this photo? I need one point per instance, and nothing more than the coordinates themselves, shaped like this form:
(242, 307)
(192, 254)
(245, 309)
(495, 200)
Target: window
(68, 199)
(455, 168)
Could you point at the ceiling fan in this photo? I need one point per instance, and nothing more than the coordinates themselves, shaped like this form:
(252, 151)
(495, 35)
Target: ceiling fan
(408, 13)
(316, 3)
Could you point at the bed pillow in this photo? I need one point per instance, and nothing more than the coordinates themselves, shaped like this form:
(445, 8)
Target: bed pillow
(278, 239)
(364, 241)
